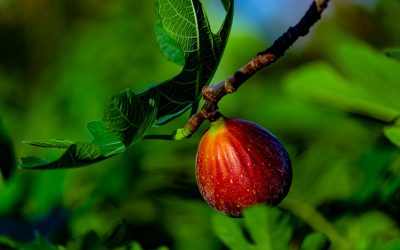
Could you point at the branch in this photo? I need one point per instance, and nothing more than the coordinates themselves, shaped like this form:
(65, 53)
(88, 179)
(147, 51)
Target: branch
(213, 94)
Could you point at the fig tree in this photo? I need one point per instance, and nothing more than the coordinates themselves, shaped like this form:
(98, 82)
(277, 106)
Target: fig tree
(240, 164)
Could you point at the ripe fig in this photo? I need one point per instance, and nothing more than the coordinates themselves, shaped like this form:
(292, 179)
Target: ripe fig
(240, 164)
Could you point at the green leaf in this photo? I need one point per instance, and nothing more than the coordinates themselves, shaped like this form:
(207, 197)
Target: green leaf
(230, 232)
(392, 132)
(103, 145)
(314, 241)
(7, 156)
(371, 228)
(369, 84)
(376, 171)
(170, 48)
(128, 116)
(186, 23)
(109, 145)
(182, 29)
(52, 143)
(268, 227)
(136, 246)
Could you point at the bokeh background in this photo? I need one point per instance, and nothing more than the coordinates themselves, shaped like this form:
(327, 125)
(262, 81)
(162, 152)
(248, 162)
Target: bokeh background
(328, 100)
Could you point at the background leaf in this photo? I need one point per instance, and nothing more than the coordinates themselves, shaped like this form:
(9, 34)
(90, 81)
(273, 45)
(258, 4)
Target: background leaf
(268, 227)
(103, 145)
(369, 86)
(117, 236)
(230, 232)
(393, 53)
(53, 143)
(88, 241)
(7, 156)
(392, 132)
(314, 241)
(392, 245)
(170, 48)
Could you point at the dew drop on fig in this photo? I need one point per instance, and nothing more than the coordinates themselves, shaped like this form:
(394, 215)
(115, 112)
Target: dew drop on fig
(249, 158)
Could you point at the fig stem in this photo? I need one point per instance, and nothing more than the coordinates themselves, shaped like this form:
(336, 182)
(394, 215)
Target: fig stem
(213, 94)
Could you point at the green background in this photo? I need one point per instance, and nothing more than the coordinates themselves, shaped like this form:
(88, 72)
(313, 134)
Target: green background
(332, 100)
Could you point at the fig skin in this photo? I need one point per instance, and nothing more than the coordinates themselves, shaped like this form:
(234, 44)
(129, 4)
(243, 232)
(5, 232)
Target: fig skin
(239, 164)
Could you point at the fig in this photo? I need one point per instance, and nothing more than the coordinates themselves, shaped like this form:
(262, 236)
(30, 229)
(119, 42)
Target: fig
(240, 164)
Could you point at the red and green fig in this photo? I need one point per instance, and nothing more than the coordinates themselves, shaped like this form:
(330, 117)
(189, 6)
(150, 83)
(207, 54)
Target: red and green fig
(240, 164)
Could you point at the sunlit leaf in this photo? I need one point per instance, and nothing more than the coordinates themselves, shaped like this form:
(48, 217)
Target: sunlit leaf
(103, 145)
(108, 143)
(182, 29)
(187, 24)
(170, 48)
(392, 132)
(369, 85)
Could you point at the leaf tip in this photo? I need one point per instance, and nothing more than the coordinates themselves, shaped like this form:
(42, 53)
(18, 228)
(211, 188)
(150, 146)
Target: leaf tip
(32, 162)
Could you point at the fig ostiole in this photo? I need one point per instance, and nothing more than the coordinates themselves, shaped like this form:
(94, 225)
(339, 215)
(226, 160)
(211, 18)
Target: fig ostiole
(240, 164)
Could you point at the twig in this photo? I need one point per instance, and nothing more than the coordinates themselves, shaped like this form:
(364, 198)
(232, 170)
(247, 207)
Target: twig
(213, 94)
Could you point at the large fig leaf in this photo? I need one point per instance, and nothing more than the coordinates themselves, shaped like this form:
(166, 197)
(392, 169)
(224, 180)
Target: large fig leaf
(185, 37)
(128, 116)
(186, 24)
(103, 145)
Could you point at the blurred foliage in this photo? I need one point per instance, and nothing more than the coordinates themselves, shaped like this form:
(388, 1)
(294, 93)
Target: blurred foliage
(333, 101)
(116, 238)
(182, 27)
(269, 229)
(7, 157)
